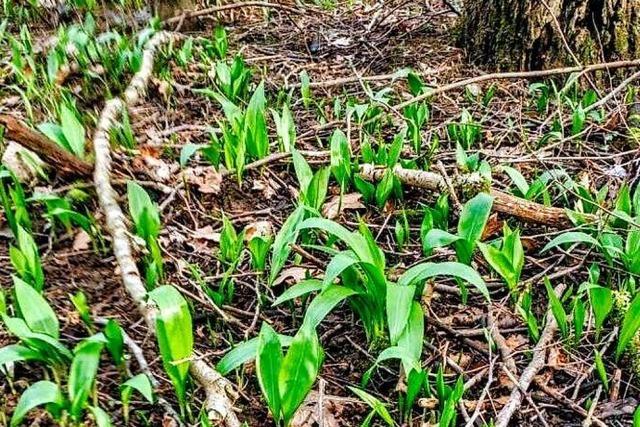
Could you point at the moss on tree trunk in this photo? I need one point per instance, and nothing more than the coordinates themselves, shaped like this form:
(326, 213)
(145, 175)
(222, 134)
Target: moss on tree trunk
(528, 34)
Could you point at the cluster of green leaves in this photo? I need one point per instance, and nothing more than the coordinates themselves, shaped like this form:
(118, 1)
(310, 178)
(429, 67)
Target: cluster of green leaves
(14, 202)
(37, 329)
(244, 133)
(506, 257)
(69, 134)
(619, 244)
(389, 185)
(147, 223)
(467, 132)
(286, 379)
(25, 259)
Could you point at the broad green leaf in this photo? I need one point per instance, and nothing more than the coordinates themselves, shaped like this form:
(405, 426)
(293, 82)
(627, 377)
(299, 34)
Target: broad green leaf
(244, 353)
(101, 416)
(630, 325)
(557, 309)
(40, 393)
(298, 290)
(281, 245)
(175, 335)
(302, 170)
(35, 311)
(13, 353)
(571, 237)
(140, 383)
(324, 302)
(499, 262)
(45, 344)
(115, 341)
(399, 302)
(299, 370)
(427, 270)
(82, 375)
(340, 262)
(601, 303)
(73, 130)
(436, 238)
(413, 335)
(269, 359)
(187, 151)
(602, 371)
(474, 216)
(54, 132)
(517, 178)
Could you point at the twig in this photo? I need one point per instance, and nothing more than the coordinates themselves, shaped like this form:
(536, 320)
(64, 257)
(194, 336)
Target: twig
(217, 389)
(216, 9)
(537, 363)
(519, 75)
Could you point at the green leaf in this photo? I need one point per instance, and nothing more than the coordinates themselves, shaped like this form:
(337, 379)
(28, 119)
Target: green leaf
(517, 178)
(299, 370)
(73, 130)
(500, 263)
(298, 290)
(281, 245)
(473, 219)
(413, 335)
(399, 299)
(13, 353)
(427, 270)
(630, 325)
(302, 170)
(557, 309)
(115, 341)
(140, 383)
(571, 237)
(601, 304)
(82, 375)
(244, 353)
(375, 404)
(35, 311)
(101, 417)
(187, 151)
(322, 304)
(175, 335)
(40, 393)
(54, 132)
(602, 371)
(436, 238)
(45, 344)
(269, 359)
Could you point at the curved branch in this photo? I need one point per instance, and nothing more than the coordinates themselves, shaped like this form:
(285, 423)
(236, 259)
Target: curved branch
(218, 390)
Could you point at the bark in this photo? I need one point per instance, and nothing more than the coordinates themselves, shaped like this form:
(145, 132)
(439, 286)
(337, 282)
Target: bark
(64, 162)
(535, 34)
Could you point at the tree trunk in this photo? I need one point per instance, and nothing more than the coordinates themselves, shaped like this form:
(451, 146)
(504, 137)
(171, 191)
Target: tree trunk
(536, 34)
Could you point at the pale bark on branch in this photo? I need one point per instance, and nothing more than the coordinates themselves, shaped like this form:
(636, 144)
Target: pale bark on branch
(217, 389)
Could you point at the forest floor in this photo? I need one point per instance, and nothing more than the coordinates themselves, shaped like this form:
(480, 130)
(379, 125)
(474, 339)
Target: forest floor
(542, 140)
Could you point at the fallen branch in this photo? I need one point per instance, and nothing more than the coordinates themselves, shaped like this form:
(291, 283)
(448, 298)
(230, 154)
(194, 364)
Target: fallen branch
(218, 390)
(63, 161)
(537, 363)
(502, 202)
(216, 9)
(519, 75)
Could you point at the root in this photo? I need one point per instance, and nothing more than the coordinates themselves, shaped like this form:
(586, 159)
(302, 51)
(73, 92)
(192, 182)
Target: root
(218, 403)
(502, 202)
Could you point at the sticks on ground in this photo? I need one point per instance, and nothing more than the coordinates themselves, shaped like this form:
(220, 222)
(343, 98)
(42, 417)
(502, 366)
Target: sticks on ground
(537, 363)
(63, 161)
(218, 390)
(502, 202)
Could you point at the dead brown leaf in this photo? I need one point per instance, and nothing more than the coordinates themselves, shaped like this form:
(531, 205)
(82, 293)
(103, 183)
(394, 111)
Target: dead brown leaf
(292, 275)
(81, 241)
(205, 178)
(337, 204)
(262, 229)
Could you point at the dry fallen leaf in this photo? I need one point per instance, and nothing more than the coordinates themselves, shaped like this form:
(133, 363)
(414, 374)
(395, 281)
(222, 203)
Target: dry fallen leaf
(81, 241)
(292, 275)
(206, 178)
(337, 204)
(262, 229)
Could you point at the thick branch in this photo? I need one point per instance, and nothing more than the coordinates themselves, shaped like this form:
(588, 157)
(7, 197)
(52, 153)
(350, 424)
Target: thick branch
(63, 161)
(502, 202)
